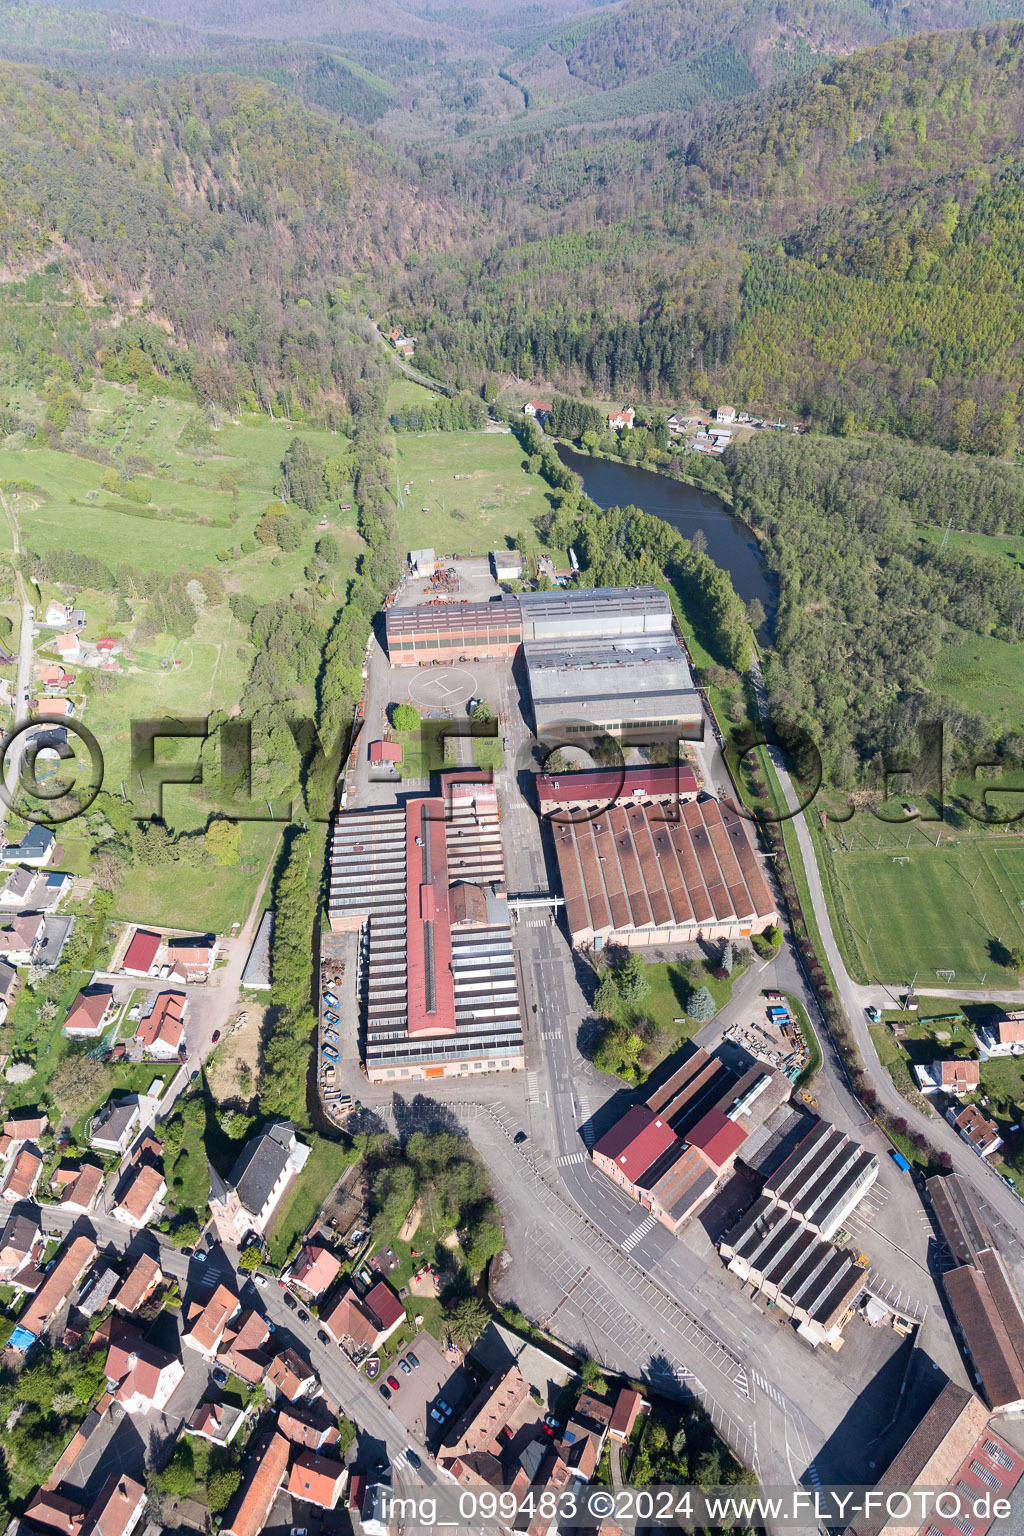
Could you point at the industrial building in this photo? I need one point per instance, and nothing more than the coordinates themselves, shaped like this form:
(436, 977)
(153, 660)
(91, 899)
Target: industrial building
(670, 1153)
(953, 1448)
(579, 795)
(979, 1290)
(638, 877)
(823, 1179)
(440, 631)
(637, 688)
(423, 886)
(809, 1279)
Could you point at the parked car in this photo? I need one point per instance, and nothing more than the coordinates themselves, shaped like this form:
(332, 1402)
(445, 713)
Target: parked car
(394, 1383)
(437, 1417)
(875, 1015)
(412, 1360)
(215, 1036)
(199, 1256)
(405, 1367)
(195, 1074)
(259, 1279)
(220, 1378)
(323, 1336)
(519, 1138)
(411, 1457)
(289, 1300)
(385, 1391)
(444, 1407)
(303, 1316)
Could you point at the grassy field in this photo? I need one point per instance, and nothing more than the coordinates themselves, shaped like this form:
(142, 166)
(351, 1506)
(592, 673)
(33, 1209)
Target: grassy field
(982, 674)
(212, 899)
(493, 500)
(939, 908)
(324, 1167)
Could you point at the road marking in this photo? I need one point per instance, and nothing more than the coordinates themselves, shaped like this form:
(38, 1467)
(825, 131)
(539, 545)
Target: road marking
(638, 1232)
(812, 1475)
(769, 1388)
(568, 1158)
(551, 1034)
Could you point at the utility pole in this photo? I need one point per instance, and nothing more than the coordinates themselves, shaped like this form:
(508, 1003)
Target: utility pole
(945, 536)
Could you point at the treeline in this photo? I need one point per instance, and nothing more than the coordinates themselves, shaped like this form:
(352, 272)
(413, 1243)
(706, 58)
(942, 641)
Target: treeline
(295, 899)
(171, 605)
(865, 600)
(462, 413)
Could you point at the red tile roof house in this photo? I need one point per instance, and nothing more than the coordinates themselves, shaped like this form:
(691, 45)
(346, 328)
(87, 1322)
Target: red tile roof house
(163, 1029)
(90, 1013)
(315, 1269)
(82, 1191)
(208, 1321)
(27, 1124)
(141, 953)
(628, 1407)
(290, 1376)
(242, 1349)
(537, 408)
(138, 1285)
(141, 1376)
(141, 1196)
(56, 1289)
(317, 1480)
(365, 1323)
(309, 1425)
(976, 1129)
(51, 1511)
(265, 1471)
(118, 1508)
(619, 419)
(951, 1075)
(22, 1176)
(192, 959)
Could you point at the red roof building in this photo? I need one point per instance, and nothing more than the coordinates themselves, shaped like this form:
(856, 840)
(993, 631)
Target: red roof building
(633, 1144)
(315, 1269)
(385, 752)
(316, 1480)
(141, 952)
(89, 1012)
(717, 1139)
(431, 983)
(163, 1030)
(385, 1306)
(617, 786)
(265, 1469)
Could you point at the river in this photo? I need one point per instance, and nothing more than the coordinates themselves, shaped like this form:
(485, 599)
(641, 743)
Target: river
(730, 543)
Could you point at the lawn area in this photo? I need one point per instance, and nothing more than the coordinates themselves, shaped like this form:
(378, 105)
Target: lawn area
(660, 1018)
(493, 499)
(938, 909)
(895, 1062)
(214, 900)
(324, 1167)
(427, 750)
(984, 674)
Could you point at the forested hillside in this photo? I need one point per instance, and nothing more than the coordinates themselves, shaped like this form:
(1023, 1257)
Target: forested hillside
(844, 245)
(206, 210)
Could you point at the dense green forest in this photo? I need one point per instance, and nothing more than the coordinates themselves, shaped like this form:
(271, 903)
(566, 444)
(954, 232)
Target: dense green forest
(865, 602)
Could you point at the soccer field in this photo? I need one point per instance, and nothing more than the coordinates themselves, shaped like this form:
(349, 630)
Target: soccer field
(935, 909)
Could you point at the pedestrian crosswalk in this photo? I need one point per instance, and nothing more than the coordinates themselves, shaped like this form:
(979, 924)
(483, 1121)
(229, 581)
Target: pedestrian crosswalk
(531, 1087)
(551, 1034)
(588, 1133)
(812, 1475)
(568, 1158)
(768, 1388)
(638, 1234)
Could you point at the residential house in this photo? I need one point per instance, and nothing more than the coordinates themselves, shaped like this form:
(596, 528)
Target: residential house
(57, 615)
(583, 1439)
(309, 1425)
(52, 709)
(315, 1269)
(37, 847)
(21, 1246)
(217, 1422)
(976, 1129)
(364, 1322)
(263, 1171)
(68, 647)
(109, 645)
(628, 1407)
(72, 1262)
(54, 678)
(725, 413)
(1003, 1037)
(95, 1294)
(318, 1480)
(18, 942)
(264, 1472)
(538, 408)
(54, 1513)
(619, 419)
(953, 1075)
(115, 1125)
(90, 1013)
(162, 1031)
(118, 1507)
(676, 425)
(82, 1190)
(142, 1377)
(10, 986)
(207, 1321)
(478, 1428)
(140, 956)
(17, 888)
(23, 1175)
(243, 1347)
(291, 1377)
(191, 959)
(140, 1196)
(27, 1124)
(142, 1280)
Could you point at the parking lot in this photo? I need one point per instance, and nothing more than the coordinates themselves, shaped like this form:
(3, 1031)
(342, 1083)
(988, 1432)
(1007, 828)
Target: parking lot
(418, 1392)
